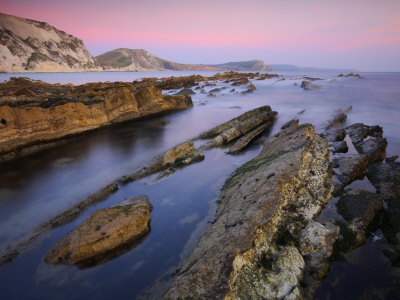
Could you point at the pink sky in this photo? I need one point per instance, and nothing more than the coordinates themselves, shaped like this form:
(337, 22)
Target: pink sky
(360, 34)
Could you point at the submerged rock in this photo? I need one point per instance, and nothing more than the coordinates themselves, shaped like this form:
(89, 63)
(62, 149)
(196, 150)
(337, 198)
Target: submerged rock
(337, 120)
(186, 92)
(360, 209)
(250, 250)
(178, 157)
(235, 128)
(105, 230)
(309, 86)
(240, 81)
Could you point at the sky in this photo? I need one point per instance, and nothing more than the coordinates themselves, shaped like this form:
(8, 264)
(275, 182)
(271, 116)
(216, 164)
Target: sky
(356, 34)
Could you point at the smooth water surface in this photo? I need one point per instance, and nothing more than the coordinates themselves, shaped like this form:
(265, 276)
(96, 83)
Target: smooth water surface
(37, 187)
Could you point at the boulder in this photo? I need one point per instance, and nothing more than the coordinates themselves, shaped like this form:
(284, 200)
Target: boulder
(334, 134)
(339, 147)
(386, 178)
(104, 231)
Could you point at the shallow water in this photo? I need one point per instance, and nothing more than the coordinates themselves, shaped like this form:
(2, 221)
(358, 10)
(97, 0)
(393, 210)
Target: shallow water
(37, 187)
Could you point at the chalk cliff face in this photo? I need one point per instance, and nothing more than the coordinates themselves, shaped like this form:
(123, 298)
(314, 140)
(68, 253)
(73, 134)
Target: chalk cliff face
(32, 46)
(34, 112)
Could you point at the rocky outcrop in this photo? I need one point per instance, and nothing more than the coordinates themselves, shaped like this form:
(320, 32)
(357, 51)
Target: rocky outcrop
(34, 113)
(251, 249)
(105, 230)
(239, 126)
(179, 156)
(32, 46)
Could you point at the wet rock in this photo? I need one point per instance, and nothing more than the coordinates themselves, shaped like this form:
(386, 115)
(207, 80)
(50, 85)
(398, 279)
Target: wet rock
(391, 159)
(301, 112)
(242, 142)
(337, 120)
(351, 74)
(240, 82)
(368, 140)
(238, 126)
(232, 90)
(386, 179)
(251, 87)
(360, 209)
(309, 86)
(348, 109)
(292, 122)
(312, 78)
(178, 157)
(267, 76)
(210, 84)
(251, 249)
(349, 167)
(334, 134)
(217, 90)
(339, 147)
(212, 95)
(105, 230)
(186, 92)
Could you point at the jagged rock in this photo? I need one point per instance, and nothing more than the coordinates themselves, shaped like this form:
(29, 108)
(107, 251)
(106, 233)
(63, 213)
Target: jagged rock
(309, 86)
(105, 230)
(33, 46)
(186, 92)
(334, 134)
(360, 209)
(238, 126)
(178, 157)
(212, 95)
(290, 123)
(301, 112)
(339, 147)
(312, 78)
(351, 74)
(368, 140)
(249, 249)
(348, 109)
(337, 120)
(267, 76)
(56, 111)
(350, 167)
(251, 87)
(391, 159)
(242, 142)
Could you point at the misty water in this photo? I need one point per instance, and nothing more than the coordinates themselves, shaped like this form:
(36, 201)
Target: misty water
(37, 187)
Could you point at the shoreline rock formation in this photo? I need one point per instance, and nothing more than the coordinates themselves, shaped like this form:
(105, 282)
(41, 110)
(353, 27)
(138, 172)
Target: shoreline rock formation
(33, 113)
(33, 46)
(249, 251)
(105, 230)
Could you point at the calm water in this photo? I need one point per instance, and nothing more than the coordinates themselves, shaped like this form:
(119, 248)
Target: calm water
(37, 187)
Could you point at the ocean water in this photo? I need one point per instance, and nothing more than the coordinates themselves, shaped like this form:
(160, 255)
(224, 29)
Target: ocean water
(36, 187)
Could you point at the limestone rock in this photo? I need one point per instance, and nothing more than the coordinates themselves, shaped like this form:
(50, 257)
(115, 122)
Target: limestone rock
(175, 158)
(238, 126)
(33, 46)
(248, 249)
(105, 230)
(36, 113)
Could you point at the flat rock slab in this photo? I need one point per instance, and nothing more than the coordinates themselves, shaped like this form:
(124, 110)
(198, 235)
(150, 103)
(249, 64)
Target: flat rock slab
(105, 230)
(277, 192)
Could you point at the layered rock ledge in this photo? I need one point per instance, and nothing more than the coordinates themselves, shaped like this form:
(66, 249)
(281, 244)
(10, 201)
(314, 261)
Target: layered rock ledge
(33, 113)
(251, 250)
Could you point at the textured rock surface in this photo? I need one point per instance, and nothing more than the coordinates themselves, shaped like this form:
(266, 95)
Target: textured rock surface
(386, 179)
(239, 126)
(360, 209)
(37, 112)
(179, 156)
(309, 86)
(248, 251)
(105, 230)
(368, 140)
(32, 46)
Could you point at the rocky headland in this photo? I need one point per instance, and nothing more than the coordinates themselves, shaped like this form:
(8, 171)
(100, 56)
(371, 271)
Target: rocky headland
(33, 46)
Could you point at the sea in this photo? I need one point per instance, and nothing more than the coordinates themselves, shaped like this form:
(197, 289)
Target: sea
(37, 187)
